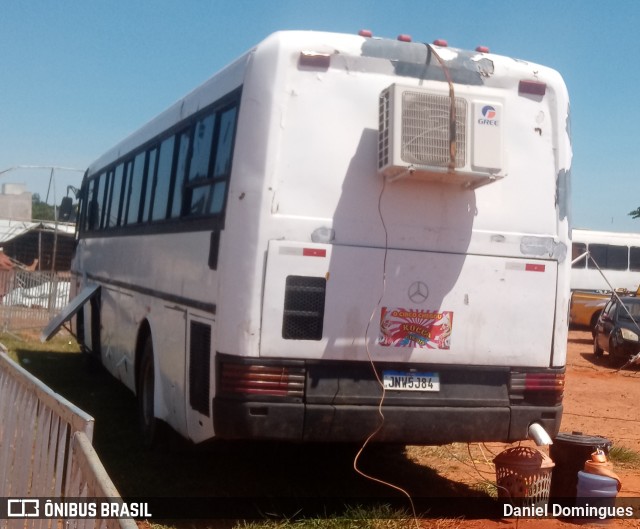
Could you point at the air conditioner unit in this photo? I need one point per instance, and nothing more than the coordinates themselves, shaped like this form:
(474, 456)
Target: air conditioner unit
(420, 137)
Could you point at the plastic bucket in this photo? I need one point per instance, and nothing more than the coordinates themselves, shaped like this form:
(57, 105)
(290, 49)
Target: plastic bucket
(595, 486)
(569, 451)
(596, 491)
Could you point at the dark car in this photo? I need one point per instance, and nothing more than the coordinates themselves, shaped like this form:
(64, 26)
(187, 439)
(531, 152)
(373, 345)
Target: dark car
(617, 330)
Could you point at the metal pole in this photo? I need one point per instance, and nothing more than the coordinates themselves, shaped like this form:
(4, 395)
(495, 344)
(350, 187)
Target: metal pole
(55, 225)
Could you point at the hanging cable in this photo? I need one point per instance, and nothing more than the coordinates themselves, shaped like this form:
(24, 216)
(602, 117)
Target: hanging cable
(381, 418)
(452, 108)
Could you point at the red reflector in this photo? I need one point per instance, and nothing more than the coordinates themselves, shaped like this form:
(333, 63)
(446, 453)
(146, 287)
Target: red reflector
(314, 252)
(404, 38)
(483, 49)
(535, 88)
(365, 33)
(530, 267)
(441, 42)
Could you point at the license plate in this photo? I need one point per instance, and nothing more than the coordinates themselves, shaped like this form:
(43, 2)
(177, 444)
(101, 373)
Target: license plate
(405, 381)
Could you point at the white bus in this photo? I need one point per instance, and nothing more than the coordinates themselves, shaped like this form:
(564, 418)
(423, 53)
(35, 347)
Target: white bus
(613, 260)
(331, 221)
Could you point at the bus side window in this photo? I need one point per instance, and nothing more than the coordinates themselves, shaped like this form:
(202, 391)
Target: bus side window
(577, 249)
(137, 180)
(222, 166)
(609, 257)
(181, 172)
(115, 206)
(198, 184)
(224, 150)
(150, 184)
(163, 179)
(99, 201)
(634, 258)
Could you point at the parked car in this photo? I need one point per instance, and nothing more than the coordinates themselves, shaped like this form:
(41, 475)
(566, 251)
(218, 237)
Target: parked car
(617, 330)
(585, 309)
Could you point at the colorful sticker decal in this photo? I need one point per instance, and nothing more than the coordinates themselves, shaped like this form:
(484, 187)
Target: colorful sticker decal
(415, 328)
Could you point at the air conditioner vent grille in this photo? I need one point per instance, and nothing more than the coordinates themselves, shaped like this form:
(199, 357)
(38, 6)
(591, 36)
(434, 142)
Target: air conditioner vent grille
(425, 129)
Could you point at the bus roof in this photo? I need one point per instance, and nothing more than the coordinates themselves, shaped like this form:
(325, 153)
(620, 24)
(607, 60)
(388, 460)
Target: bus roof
(390, 56)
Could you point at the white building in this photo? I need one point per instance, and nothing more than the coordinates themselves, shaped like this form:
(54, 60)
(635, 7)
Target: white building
(15, 202)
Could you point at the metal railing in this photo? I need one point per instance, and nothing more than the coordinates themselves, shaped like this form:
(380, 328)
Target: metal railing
(46, 451)
(28, 299)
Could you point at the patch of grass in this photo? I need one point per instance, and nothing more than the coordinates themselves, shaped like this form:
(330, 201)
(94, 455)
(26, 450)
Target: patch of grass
(382, 517)
(353, 518)
(21, 341)
(620, 455)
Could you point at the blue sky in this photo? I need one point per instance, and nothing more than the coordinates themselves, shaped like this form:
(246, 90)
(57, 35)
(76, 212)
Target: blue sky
(78, 76)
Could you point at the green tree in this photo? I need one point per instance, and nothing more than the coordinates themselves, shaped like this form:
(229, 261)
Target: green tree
(41, 210)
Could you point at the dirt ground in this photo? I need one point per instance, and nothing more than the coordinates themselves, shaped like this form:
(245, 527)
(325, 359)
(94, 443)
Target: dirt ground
(600, 399)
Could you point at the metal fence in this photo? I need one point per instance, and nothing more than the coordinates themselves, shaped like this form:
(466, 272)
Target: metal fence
(46, 451)
(28, 299)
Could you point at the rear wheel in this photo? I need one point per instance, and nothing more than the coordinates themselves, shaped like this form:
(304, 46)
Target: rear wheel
(147, 421)
(613, 350)
(597, 350)
(594, 321)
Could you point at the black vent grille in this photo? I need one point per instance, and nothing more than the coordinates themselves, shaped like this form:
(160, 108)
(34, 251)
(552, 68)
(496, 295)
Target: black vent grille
(383, 129)
(304, 308)
(199, 367)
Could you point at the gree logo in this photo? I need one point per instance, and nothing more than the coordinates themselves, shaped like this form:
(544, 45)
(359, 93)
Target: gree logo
(489, 115)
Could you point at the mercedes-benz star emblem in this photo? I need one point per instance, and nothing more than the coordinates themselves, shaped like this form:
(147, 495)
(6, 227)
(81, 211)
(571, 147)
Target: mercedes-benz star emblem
(418, 292)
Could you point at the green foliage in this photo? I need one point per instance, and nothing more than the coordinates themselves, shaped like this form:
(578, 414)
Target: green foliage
(41, 210)
(382, 517)
(619, 455)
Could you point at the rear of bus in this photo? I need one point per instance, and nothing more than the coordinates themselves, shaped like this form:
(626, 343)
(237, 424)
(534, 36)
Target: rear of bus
(404, 251)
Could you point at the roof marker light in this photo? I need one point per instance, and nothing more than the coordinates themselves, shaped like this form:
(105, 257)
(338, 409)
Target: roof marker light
(404, 38)
(365, 33)
(482, 49)
(441, 42)
(535, 88)
(315, 60)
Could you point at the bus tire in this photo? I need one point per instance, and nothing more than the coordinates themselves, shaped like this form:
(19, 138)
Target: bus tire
(147, 422)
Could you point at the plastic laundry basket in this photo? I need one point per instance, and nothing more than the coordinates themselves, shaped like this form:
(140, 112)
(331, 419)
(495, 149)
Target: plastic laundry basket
(523, 476)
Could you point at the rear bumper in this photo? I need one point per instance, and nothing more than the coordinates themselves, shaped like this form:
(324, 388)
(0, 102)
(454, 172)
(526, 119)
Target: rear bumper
(333, 401)
(301, 422)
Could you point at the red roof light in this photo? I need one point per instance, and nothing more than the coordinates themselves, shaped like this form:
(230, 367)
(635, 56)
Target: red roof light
(535, 88)
(441, 42)
(404, 38)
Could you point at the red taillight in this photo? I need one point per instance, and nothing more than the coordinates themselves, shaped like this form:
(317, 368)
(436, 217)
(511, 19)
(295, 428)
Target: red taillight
(536, 386)
(273, 381)
(544, 382)
(534, 88)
